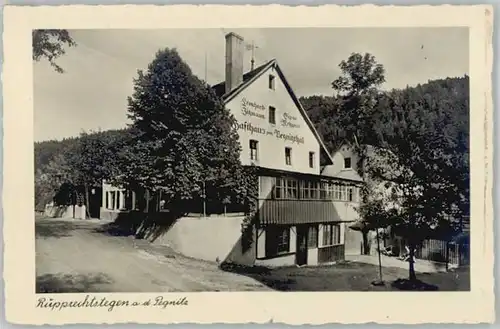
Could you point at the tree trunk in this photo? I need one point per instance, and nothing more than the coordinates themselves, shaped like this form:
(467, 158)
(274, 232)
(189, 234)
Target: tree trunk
(447, 255)
(146, 197)
(379, 257)
(159, 201)
(411, 260)
(366, 246)
(87, 201)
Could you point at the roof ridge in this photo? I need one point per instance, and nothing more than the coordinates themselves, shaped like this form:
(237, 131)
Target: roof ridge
(220, 88)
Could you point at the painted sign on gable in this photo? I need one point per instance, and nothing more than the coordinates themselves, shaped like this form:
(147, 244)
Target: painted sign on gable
(252, 109)
(254, 129)
(289, 121)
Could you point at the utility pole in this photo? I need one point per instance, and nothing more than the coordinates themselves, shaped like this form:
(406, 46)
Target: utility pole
(204, 200)
(206, 66)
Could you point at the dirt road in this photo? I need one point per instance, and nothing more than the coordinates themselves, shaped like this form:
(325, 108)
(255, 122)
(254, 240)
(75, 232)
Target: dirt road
(73, 256)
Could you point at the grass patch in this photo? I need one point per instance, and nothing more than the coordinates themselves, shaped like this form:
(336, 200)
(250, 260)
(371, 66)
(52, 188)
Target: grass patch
(351, 276)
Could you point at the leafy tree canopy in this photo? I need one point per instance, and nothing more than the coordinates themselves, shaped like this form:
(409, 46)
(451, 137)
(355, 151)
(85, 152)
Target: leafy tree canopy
(413, 145)
(184, 139)
(50, 44)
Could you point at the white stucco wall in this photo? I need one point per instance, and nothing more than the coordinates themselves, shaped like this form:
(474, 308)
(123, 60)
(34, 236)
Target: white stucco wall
(261, 243)
(293, 239)
(312, 256)
(271, 149)
(287, 260)
(76, 212)
(345, 151)
(119, 205)
(345, 211)
(207, 239)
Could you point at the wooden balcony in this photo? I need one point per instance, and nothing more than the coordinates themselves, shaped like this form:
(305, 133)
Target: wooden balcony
(292, 212)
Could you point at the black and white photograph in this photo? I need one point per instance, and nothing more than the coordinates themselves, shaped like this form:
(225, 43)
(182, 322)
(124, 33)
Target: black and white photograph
(252, 159)
(248, 161)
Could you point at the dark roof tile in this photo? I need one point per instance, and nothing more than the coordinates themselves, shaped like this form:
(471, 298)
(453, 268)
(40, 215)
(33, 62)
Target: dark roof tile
(220, 88)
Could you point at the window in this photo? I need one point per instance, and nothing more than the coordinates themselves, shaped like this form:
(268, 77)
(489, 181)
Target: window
(330, 191)
(336, 192)
(314, 193)
(286, 188)
(277, 240)
(272, 115)
(278, 189)
(310, 190)
(350, 194)
(304, 190)
(311, 159)
(291, 189)
(271, 82)
(331, 234)
(323, 187)
(288, 156)
(312, 237)
(253, 150)
(347, 163)
(343, 193)
(107, 200)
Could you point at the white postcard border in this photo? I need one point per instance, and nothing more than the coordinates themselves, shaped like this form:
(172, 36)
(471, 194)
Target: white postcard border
(241, 307)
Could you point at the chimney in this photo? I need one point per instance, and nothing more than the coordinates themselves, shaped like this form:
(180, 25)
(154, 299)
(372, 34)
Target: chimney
(234, 61)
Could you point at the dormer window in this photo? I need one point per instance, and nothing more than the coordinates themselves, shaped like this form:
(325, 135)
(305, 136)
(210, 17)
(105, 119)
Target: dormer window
(347, 163)
(271, 82)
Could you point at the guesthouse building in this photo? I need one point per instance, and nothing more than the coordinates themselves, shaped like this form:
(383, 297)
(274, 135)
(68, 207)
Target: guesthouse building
(302, 209)
(306, 198)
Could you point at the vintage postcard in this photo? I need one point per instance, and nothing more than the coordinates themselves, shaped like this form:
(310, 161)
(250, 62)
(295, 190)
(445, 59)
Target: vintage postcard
(248, 164)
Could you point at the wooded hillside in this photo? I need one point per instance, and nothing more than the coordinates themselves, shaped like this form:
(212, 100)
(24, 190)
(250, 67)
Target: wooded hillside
(434, 103)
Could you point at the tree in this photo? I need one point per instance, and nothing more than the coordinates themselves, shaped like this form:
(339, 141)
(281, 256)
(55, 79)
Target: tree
(324, 112)
(375, 216)
(417, 164)
(93, 160)
(423, 160)
(184, 141)
(55, 181)
(66, 170)
(357, 90)
(50, 44)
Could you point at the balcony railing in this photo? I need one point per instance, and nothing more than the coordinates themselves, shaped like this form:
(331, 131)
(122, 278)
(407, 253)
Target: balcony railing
(291, 212)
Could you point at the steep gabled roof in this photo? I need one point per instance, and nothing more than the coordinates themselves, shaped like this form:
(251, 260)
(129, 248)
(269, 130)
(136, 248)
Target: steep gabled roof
(220, 88)
(348, 174)
(250, 77)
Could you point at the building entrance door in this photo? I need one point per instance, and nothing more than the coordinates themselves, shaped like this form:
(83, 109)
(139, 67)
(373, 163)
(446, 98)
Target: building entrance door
(95, 200)
(301, 253)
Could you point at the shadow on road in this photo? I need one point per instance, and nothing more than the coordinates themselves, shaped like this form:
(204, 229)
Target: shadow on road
(66, 283)
(416, 285)
(141, 225)
(54, 229)
(263, 274)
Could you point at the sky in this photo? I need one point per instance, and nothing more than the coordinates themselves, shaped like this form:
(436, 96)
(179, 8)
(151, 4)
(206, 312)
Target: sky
(92, 92)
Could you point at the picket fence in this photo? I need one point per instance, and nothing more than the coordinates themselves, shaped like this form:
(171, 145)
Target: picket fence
(441, 251)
